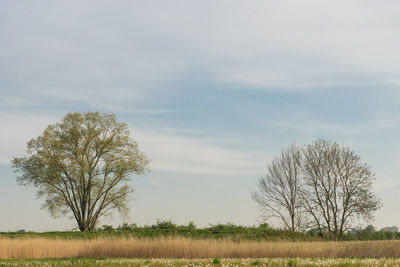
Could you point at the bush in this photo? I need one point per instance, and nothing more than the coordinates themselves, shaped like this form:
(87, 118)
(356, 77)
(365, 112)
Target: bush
(127, 227)
(164, 225)
(216, 261)
(191, 226)
(108, 228)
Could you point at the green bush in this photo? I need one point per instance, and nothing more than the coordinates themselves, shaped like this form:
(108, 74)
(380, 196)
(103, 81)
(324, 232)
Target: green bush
(108, 228)
(127, 227)
(164, 225)
(216, 261)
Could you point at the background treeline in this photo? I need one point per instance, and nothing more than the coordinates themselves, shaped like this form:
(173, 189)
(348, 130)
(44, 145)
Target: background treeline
(229, 231)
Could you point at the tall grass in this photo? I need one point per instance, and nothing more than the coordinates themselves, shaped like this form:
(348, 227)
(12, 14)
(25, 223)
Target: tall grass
(189, 248)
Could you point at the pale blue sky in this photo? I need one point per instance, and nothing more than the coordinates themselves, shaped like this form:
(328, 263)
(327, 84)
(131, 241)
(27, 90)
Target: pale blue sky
(212, 90)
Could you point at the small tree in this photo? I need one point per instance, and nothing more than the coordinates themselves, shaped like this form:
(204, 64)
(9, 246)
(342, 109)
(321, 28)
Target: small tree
(278, 194)
(337, 187)
(82, 165)
(370, 228)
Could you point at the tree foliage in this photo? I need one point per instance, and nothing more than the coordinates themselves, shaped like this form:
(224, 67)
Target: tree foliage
(82, 165)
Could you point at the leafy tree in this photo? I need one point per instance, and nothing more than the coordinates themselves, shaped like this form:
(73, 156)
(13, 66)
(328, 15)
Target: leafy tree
(82, 165)
(370, 228)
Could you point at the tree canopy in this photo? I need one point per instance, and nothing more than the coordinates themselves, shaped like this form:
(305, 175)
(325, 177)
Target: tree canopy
(83, 165)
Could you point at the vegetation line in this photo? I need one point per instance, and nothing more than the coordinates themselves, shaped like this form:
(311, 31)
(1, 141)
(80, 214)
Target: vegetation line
(263, 232)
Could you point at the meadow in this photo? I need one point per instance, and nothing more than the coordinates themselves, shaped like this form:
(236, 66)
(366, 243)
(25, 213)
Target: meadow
(275, 262)
(187, 248)
(167, 244)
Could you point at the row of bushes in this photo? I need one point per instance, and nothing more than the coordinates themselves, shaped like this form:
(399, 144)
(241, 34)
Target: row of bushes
(232, 231)
(229, 230)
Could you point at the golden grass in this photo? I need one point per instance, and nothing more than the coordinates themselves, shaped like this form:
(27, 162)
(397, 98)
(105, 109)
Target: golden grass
(189, 248)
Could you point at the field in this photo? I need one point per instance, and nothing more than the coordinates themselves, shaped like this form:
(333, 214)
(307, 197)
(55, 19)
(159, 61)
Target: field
(189, 248)
(176, 251)
(206, 262)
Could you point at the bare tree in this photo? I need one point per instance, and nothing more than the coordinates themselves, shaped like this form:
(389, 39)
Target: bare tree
(337, 188)
(278, 191)
(83, 165)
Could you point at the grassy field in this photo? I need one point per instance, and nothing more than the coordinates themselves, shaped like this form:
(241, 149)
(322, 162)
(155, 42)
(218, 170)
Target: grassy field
(111, 262)
(119, 250)
(185, 248)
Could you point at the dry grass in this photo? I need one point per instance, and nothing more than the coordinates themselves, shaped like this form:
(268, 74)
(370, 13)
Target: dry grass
(188, 248)
(270, 262)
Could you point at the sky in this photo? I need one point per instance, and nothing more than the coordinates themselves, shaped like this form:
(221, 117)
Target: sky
(211, 90)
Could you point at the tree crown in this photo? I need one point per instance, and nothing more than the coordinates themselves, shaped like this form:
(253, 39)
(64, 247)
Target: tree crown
(83, 164)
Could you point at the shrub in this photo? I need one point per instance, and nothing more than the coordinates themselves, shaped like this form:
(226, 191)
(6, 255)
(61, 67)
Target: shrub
(216, 261)
(164, 225)
(127, 227)
(108, 228)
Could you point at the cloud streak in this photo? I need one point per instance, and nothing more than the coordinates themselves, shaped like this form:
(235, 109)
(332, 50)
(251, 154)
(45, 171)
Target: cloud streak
(54, 51)
(190, 155)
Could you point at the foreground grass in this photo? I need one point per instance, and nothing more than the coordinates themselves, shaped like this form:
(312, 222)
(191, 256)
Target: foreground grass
(206, 262)
(186, 248)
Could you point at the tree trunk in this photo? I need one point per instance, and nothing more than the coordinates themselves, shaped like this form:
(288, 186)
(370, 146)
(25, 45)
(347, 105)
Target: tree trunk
(83, 226)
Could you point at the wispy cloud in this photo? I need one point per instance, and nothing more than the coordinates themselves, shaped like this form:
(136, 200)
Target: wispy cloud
(190, 155)
(268, 44)
(308, 125)
(17, 130)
